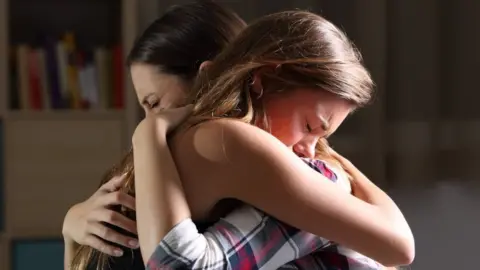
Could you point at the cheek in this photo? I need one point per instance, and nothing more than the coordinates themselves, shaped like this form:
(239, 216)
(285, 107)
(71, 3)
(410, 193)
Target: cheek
(285, 124)
(174, 98)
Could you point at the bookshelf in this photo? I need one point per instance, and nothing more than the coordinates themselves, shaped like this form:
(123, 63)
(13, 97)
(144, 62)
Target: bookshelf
(57, 135)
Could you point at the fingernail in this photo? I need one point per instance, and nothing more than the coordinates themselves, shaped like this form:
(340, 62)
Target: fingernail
(118, 252)
(133, 243)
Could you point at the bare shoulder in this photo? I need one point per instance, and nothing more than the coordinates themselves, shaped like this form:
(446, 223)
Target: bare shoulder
(210, 157)
(220, 140)
(232, 155)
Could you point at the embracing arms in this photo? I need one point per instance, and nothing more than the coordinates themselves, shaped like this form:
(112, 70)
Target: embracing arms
(165, 229)
(246, 237)
(244, 162)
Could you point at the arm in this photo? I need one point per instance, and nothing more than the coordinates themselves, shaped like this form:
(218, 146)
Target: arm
(161, 205)
(231, 243)
(290, 191)
(364, 189)
(246, 238)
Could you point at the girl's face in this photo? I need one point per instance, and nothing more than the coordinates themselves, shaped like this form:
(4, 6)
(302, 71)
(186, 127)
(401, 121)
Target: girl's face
(300, 117)
(155, 90)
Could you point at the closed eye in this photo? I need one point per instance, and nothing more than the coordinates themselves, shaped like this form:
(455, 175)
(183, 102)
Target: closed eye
(150, 102)
(309, 128)
(152, 105)
(322, 129)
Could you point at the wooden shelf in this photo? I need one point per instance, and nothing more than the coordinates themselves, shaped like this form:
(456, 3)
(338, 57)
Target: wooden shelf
(94, 22)
(52, 165)
(52, 159)
(66, 115)
(20, 235)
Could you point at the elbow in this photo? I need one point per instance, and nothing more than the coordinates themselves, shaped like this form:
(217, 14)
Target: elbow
(408, 252)
(148, 242)
(403, 252)
(405, 256)
(146, 250)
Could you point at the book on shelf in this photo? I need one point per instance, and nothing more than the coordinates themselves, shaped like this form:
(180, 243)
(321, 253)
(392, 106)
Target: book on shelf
(58, 75)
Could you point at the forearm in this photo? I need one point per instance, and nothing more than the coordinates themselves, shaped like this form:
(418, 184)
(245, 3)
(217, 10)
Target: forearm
(369, 192)
(160, 200)
(69, 252)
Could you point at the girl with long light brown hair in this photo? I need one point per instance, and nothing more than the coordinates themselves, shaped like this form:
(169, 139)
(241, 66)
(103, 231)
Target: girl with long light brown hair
(283, 86)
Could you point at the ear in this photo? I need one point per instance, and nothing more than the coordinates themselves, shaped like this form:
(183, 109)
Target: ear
(257, 86)
(204, 64)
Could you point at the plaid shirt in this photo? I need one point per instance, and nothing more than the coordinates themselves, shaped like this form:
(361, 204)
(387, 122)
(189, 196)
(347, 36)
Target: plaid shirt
(250, 239)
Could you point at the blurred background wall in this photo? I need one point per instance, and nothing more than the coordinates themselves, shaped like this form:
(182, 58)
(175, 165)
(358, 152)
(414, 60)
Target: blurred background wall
(420, 140)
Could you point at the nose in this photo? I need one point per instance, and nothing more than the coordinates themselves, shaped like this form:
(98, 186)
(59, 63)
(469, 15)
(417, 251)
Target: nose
(305, 149)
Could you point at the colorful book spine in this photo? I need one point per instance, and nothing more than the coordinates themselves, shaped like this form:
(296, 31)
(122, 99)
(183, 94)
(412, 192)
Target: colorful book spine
(58, 75)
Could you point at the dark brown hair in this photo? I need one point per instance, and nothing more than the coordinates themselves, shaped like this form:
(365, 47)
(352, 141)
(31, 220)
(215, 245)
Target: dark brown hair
(185, 36)
(176, 43)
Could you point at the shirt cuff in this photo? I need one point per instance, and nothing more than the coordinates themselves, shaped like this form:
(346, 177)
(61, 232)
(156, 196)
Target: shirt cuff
(181, 234)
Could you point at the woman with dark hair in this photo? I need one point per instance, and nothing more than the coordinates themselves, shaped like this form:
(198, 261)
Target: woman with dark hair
(163, 64)
(276, 93)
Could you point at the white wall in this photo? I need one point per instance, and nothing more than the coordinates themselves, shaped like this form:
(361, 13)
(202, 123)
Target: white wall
(445, 221)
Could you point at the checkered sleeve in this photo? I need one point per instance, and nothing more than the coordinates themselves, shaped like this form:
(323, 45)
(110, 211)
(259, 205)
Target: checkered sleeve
(246, 239)
(184, 248)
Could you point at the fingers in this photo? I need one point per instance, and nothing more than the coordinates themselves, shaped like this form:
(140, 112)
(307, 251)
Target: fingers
(114, 184)
(116, 219)
(102, 246)
(105, 233)
(118, 198)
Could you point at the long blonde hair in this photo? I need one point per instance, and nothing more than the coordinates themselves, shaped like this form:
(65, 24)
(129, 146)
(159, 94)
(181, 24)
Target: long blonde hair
(295, 49)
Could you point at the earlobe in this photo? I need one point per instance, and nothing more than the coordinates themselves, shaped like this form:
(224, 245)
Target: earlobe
(256, 83)
(204, 64)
